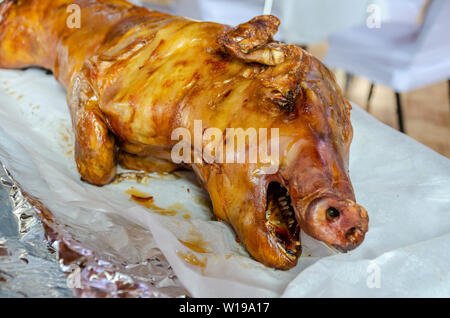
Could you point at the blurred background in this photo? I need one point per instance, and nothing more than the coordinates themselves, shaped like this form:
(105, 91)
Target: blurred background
(391, 57)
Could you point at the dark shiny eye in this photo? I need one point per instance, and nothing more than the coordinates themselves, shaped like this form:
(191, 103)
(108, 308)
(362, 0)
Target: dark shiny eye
(332, 213)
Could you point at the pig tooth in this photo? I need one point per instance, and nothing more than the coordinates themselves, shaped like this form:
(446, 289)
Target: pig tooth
(282, 201)
(280, 246)
(292, 257)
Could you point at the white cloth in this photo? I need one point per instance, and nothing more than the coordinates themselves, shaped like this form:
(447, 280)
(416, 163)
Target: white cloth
(231, 12)
(303, 21)
(308, 22)
(404, 185)
(400, 55)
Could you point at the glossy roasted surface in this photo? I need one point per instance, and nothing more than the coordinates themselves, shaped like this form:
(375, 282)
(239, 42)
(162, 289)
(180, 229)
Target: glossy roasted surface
(133, 76)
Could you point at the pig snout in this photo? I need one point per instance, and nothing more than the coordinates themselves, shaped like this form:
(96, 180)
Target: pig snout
(340, 223)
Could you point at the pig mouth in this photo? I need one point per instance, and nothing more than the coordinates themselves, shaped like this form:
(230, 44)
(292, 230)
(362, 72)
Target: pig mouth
(281, 222)
(340, 224)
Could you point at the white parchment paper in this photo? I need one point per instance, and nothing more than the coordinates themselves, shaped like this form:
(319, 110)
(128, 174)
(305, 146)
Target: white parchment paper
(404, 185)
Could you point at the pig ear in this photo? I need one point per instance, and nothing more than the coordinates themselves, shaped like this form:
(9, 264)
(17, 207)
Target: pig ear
(253, 41)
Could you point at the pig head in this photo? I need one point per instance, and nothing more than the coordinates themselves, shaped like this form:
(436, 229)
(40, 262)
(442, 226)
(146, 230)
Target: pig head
(311, 189)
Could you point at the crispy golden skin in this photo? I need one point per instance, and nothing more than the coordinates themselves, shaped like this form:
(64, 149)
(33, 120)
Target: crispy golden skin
(134, 75)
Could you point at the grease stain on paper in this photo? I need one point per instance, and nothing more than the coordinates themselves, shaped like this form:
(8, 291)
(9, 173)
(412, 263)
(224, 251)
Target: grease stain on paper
(196, 242)
(66, 141)
(148, 201)
(201, 200)
(190, 258)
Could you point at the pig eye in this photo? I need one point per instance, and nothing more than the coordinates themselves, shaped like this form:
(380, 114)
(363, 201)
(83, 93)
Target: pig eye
(332, 213)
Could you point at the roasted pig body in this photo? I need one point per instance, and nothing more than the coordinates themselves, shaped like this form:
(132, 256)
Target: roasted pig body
(134, 76)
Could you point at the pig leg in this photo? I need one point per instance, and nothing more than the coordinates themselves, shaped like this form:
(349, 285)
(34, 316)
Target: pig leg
(95, 150)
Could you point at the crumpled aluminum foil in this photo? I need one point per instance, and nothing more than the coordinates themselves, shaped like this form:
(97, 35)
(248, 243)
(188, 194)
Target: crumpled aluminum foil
(28, 264)
(39, 257)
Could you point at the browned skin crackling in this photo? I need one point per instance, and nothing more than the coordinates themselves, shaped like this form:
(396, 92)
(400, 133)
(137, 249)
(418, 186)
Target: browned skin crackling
(134, 75)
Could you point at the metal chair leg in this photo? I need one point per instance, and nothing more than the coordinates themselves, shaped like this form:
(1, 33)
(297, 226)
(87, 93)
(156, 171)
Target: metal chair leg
(399, 112)
(369, 97)
(449, 90)
(348, 82)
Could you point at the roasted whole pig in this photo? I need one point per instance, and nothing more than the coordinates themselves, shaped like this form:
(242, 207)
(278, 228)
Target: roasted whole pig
(133, 76)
